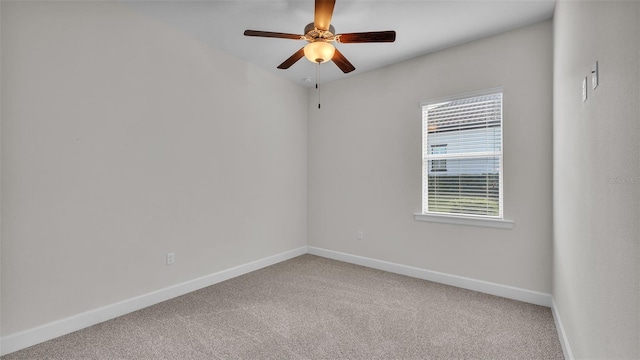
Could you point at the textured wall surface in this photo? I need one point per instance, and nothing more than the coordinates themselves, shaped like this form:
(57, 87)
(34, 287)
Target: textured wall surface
(123, 140)
(597, 177)
(365, 161)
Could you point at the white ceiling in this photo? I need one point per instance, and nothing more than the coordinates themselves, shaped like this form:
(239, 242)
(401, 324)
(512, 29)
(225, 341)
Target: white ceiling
(422, 27)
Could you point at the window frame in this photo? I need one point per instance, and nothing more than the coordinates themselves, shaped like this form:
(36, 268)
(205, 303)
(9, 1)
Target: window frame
(498, 221)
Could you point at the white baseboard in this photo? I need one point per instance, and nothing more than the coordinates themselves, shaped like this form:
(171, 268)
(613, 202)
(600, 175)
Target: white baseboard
(564, 340)
(30, 337)
(510, 292)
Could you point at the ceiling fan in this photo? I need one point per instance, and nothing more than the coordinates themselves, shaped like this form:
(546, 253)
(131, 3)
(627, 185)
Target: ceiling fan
(320, 34)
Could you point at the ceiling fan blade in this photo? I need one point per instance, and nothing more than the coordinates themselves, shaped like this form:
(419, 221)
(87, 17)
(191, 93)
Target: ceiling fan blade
(292, 59)
(323, 13)
(342, 62)
(368, 37)
(272, 34)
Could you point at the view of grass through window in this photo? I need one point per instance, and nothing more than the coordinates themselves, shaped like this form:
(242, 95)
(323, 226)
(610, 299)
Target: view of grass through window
(484, 200)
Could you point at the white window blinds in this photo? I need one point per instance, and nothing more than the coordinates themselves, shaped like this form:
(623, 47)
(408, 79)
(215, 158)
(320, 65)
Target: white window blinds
(462, 155)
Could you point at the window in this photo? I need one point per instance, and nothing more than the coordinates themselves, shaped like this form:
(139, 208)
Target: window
(462, 155)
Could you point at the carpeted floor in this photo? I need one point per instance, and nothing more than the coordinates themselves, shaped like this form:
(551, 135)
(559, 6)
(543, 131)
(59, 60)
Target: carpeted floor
(315, 308)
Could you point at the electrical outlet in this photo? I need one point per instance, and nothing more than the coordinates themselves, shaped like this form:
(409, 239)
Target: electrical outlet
(360, 235)
(171, 258)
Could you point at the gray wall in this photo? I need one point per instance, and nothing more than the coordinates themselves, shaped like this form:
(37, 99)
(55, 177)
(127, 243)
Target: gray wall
(123, 140)
(0, 180)
(365, 161)
(597, 178)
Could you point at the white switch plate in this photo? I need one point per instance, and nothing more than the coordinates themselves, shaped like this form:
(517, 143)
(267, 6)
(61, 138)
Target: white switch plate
(360, 235)
(584, 89)
(594, 75)
(171, 258)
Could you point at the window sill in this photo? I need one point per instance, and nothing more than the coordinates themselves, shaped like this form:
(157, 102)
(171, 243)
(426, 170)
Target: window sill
(465, 220)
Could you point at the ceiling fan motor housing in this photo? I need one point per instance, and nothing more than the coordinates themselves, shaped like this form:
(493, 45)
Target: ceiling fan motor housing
(312, 33)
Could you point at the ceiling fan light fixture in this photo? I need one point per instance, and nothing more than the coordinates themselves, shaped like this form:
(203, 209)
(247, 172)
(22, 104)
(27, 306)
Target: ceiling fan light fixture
(319, 51)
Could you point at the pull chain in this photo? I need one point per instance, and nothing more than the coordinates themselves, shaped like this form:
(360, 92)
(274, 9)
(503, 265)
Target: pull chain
(318, 81)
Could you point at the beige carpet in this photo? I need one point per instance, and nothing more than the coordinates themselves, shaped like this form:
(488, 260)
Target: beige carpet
(315, 308)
